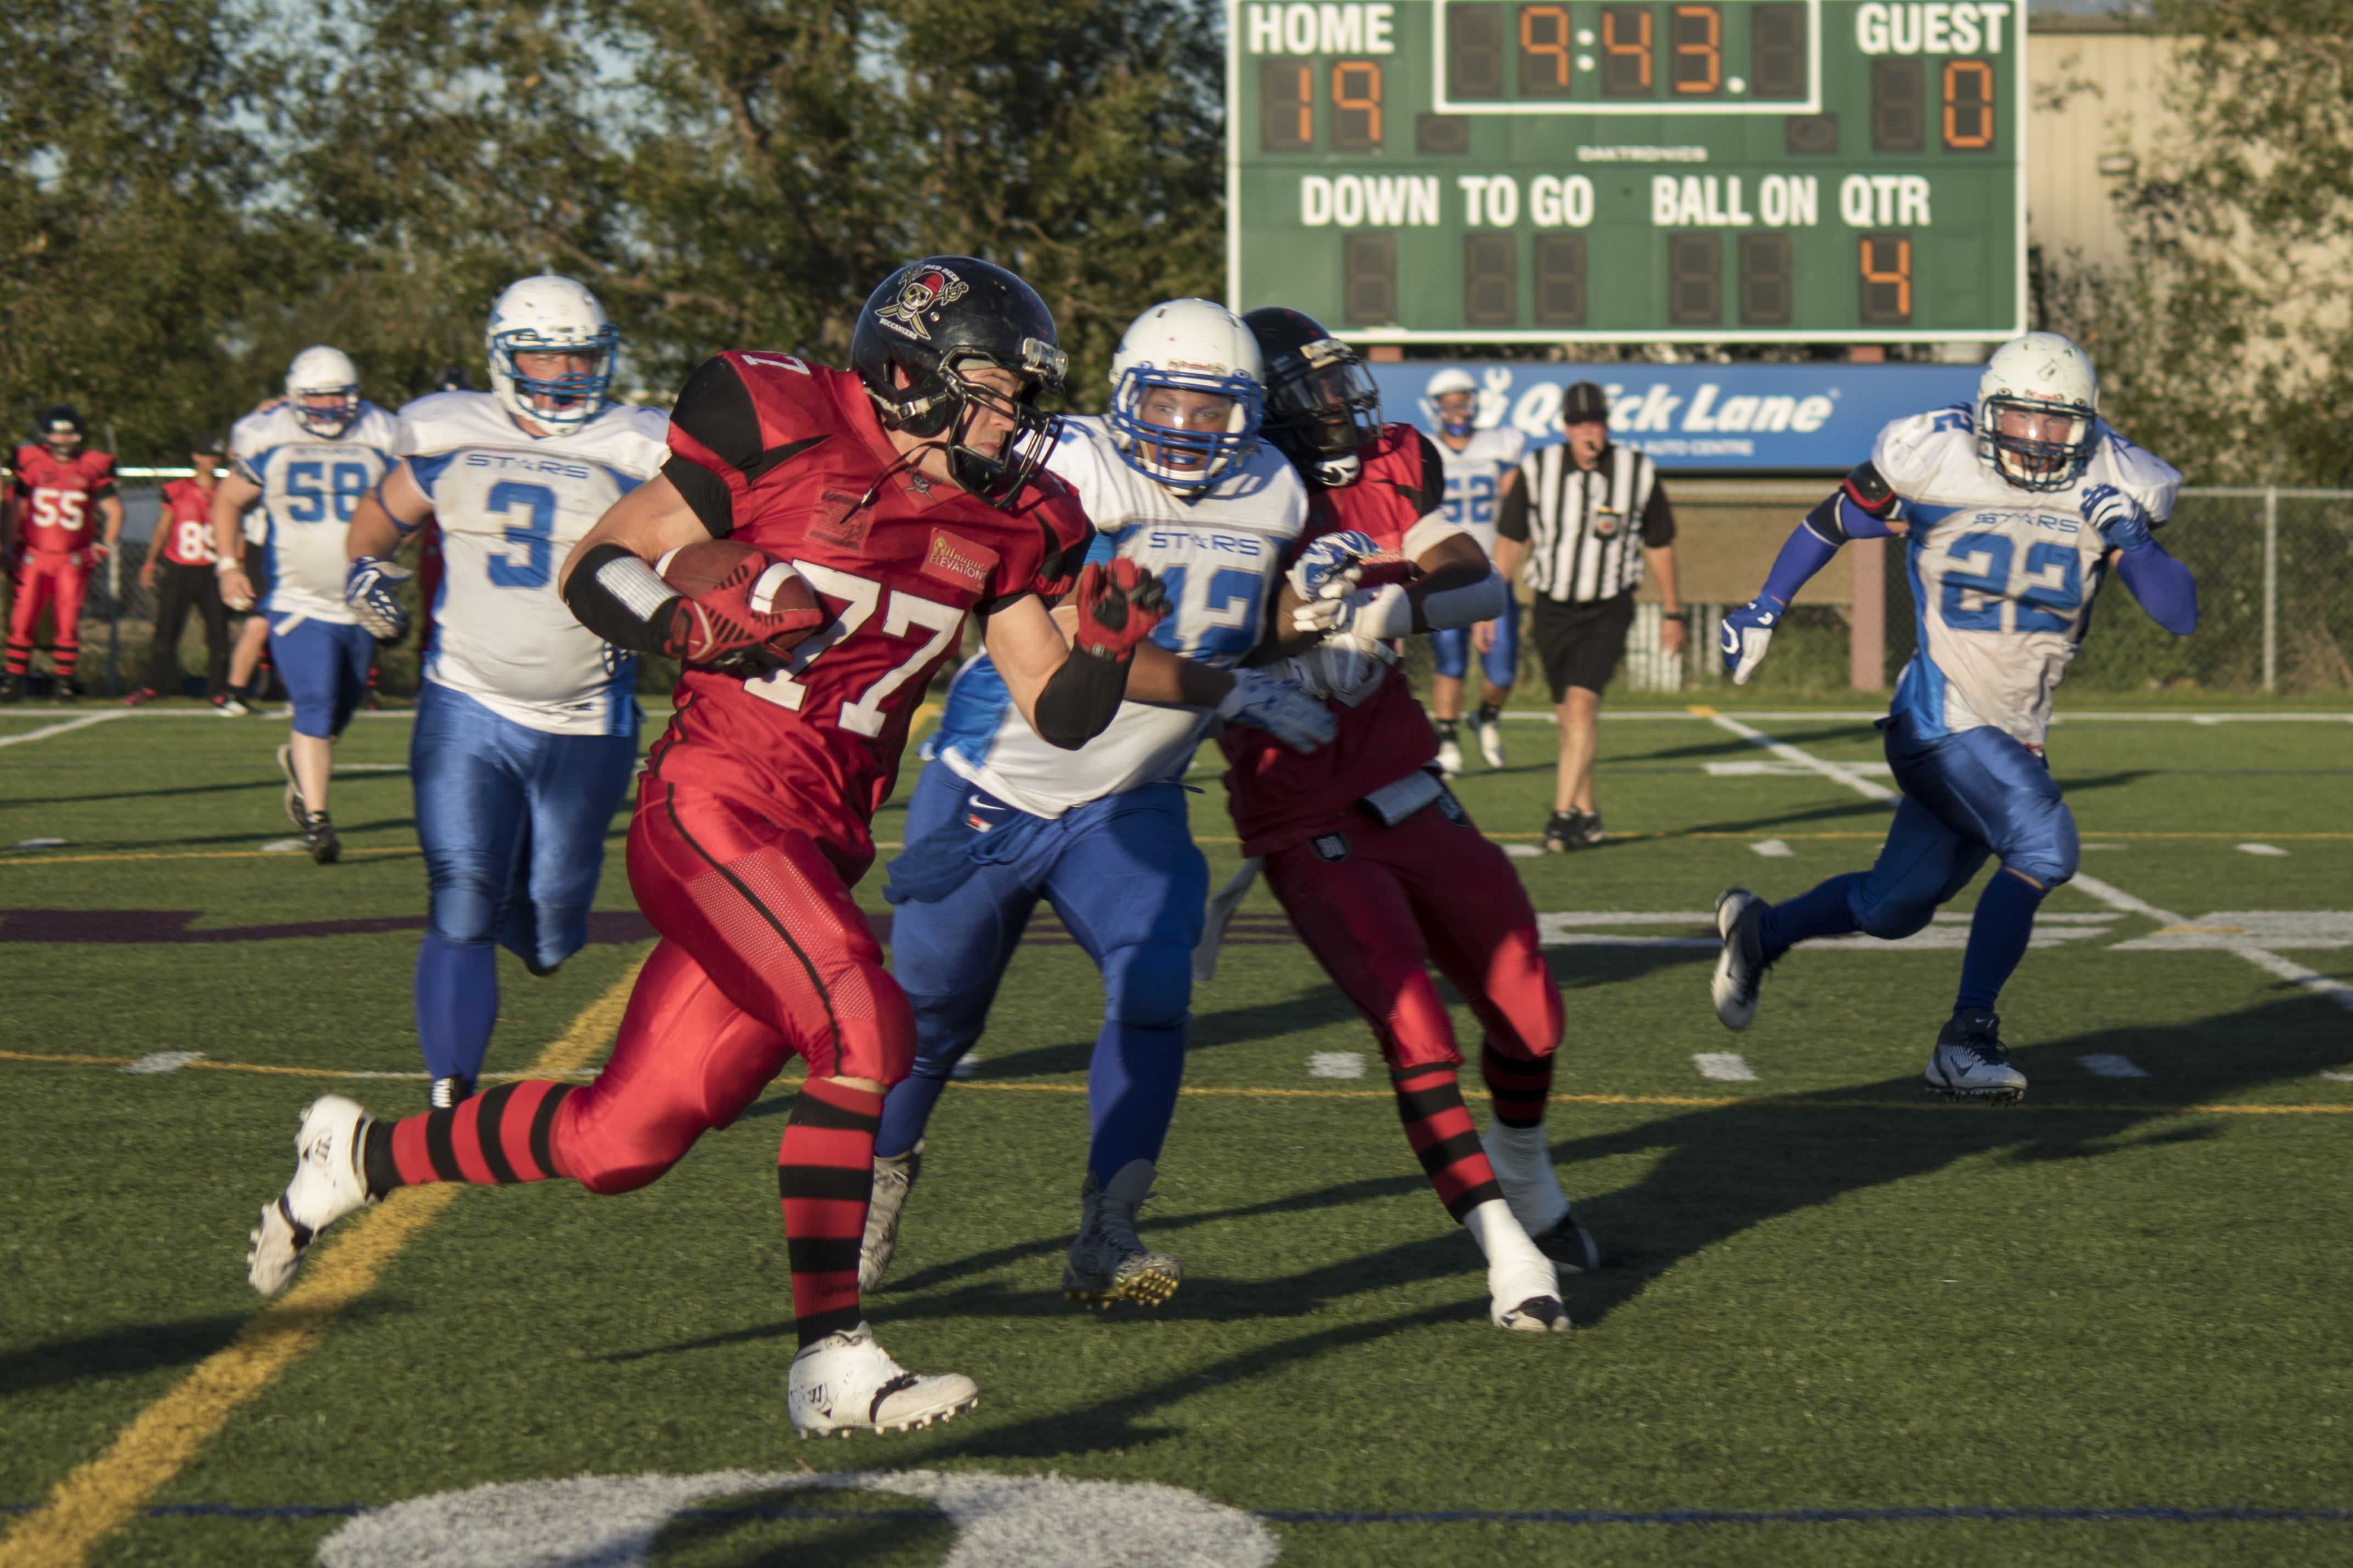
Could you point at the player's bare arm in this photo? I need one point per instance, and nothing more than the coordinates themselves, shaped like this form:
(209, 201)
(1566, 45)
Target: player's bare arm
(388, 516)
(230, 499)
(648, 523)
(1452, 585)
(1661, 560)
(110, 511)
(1069, 688)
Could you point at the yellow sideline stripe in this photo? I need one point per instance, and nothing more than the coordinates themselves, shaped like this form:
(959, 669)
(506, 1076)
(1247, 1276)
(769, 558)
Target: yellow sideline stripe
(103, 1494)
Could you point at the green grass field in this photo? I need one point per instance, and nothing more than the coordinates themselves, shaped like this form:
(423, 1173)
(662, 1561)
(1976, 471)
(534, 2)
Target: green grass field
(2109, 1326)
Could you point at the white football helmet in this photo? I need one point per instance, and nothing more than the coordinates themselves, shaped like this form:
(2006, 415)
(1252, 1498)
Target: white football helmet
(1187, 346)
(1446, 383)
(2043, 388)
(548, 312)
(318, 372)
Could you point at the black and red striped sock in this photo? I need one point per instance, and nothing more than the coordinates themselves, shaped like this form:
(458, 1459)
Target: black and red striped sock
(1517, 1087)
(20, 657)
(489, 1141)
(63, 658)
(1438, 1125)
(825, 1174)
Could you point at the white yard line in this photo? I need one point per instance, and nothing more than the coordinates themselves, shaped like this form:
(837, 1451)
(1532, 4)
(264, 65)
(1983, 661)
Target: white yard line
(46, 730)
(2108, 893)
(1541, 716)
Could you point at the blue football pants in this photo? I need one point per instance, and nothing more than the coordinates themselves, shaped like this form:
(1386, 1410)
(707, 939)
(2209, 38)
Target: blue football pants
(1450, 650)
(324, 668)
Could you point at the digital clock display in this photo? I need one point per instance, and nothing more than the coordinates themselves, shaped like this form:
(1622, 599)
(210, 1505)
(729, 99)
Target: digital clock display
(1468, 170)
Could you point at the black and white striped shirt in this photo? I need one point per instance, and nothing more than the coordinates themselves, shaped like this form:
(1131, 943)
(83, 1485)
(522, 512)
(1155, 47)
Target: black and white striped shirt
(1586, 529)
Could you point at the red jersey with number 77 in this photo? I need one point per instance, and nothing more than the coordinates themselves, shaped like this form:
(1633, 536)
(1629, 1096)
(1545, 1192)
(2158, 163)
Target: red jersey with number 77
(187, 524)
(790, 457)
(1280, 797)
(56, 498)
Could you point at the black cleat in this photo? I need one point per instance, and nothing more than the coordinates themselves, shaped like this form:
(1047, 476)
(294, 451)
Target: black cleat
(447, 1093)
(318, 838)
(1571, 1246)
(1570, 830)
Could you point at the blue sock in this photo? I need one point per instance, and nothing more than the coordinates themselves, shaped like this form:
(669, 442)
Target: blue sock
(1998, 934)
(457, 1002)
(905, 1109)
(1825, 911)
(1132, 1094)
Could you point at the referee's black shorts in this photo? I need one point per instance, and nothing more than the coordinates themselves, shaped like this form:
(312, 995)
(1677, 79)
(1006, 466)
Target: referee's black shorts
(1580, 644)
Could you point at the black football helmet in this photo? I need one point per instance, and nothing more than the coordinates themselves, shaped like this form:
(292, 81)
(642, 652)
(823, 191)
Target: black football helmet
(931, 323)
(60, 427)
(1321, 403)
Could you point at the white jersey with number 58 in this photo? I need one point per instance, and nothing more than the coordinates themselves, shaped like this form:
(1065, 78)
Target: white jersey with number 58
(511, 507)
(310, 485)
(2003, 578)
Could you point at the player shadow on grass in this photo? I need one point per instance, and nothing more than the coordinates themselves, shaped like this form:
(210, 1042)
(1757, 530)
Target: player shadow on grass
(1726, 1169)
(137, 1350)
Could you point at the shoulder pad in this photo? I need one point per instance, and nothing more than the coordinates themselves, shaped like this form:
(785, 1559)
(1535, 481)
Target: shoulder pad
(1869, 491)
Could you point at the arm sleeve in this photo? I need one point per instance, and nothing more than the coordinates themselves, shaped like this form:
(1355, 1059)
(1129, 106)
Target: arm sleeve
(2161, 585)
(1657, 519)
(621, 599)
(1805, 553)
(1512, 517)
(1079, 700)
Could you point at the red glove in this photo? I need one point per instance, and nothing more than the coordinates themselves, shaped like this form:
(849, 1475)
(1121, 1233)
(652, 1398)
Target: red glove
(720, 628)
(92, 555)
(1119, 603)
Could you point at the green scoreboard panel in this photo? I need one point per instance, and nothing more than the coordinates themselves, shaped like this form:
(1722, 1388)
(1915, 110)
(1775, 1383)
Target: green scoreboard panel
(1488, 171)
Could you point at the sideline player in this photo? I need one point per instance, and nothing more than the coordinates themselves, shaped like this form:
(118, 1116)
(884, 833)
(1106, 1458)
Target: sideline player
(1379, 867)
(44, 543)
(309, 461)
(1173, 479)
(181, 553)
(526, 721)
(906, 494)
(1482, 468)
(2012, 510)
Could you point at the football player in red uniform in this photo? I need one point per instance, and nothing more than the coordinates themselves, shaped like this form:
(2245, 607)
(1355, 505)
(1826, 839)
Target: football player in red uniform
(46, 543)
(1379, 867)
(907, 494)
(180, 556)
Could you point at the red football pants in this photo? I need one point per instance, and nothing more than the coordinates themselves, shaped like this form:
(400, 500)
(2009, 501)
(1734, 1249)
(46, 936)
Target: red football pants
(55, 581)
(1397, 899)
(763, 954)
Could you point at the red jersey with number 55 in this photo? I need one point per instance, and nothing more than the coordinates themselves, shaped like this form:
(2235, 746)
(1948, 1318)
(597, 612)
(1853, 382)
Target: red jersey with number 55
(1280, 797)
(790, 457)
(56, 498)
(187, 524)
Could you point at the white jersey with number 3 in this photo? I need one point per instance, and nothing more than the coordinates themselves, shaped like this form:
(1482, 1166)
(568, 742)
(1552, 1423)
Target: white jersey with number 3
(310, 485)
(511, 507)
(1219, 557)
(2003, 578)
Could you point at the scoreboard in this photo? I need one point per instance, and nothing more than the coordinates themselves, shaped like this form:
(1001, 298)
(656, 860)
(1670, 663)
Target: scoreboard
(1488, 171)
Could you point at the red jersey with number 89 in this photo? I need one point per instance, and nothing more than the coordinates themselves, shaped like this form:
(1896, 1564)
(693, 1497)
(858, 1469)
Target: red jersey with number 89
(56, 498)
(1280, 797)
(790, 457)
(187, 524)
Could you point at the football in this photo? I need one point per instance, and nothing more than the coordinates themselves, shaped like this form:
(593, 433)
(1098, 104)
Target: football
(771, 589)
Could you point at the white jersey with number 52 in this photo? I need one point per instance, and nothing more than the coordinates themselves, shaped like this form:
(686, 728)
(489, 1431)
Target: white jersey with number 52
(1475, 478)
(511, 506)
(2003, 578)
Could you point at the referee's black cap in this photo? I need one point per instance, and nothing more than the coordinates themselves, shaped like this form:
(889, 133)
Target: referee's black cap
(1583, 403)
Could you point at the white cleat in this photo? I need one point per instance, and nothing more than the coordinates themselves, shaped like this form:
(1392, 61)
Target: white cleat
(329, 1182)
(1970, 1062)
(1740, 967)
(1523, 1288)
(1449, 759)
(1523, 1166)
(846, 1382)
(1490, 740)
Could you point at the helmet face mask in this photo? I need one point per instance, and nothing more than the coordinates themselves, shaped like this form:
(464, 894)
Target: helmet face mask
(322, 388)
(545, 316)
(60, 430)
(2037, 412)
(1450, 402)
(926, 337)
(1186, 403)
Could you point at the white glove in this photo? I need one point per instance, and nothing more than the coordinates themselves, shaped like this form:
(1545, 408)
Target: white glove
(1280, 708)
(1330, 567)
(1346, 666)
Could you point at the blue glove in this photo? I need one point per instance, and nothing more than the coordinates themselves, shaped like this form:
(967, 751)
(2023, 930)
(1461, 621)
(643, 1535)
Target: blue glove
(1279, 709)
(2118, 518)
(368, 589)
(1747, 632)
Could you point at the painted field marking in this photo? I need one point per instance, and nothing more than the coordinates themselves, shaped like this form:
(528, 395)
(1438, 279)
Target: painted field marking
(1772, 849)
(38, 844)
(2338, 1076)
(46, 730)
(164, 1062)
(1524, 852)
(1776, 768)
(2108, 1064)
(195, 855)
(102, 1494)
(1838, 716)
(1723, 1066)
(284, 846)
(966, 1064)
(1336, 1064)
(2108, 893)
(2261, 849)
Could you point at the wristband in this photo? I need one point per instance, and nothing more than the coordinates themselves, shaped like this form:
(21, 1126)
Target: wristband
(225, 564)
(1674, 615)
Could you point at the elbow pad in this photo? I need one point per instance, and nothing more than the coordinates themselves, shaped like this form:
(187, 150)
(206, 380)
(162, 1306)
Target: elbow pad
(1079, 700)
(1473, 602)
(621, 599)
(1861, 507)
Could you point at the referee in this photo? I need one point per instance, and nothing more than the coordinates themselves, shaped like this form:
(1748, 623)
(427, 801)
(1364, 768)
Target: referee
(1585, 521)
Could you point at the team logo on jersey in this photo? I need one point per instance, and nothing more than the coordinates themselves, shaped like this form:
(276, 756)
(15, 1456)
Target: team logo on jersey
(918, 297)
(848, 525)
(958, 561)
